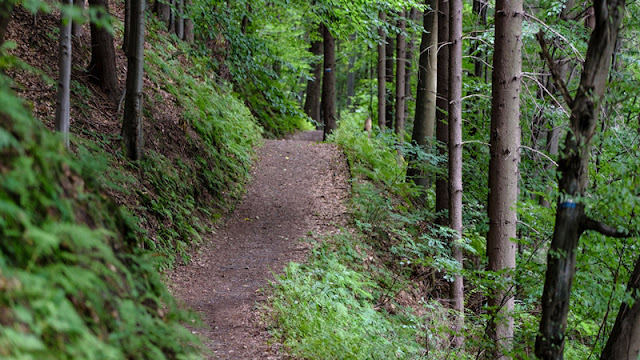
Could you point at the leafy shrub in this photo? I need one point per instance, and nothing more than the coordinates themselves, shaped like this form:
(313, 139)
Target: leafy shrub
(74, 282)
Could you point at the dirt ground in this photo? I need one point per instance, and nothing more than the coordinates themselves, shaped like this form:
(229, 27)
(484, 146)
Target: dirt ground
(298, 188)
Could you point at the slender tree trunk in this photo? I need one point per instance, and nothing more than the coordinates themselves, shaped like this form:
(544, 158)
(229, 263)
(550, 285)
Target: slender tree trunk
(127, 26)
(408, 72)
(503, 170)
(382, 89)
(76, 28)
(314, 86)
(401, 60)
(64, 78)
(132, 124)
(442, 104)
(351, 81)
(171, 24)
(424, 123)
(329, 83)
(573, 165)
(103, 54)
(455, 160)
(188, 23)
(389, 68)
(179, 19)
(624, 340)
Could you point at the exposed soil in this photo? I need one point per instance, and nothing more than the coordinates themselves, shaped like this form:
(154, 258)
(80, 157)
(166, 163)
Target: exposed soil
(297, 189)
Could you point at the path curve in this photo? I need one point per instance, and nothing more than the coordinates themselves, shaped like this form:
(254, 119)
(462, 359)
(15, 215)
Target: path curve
(298, 186)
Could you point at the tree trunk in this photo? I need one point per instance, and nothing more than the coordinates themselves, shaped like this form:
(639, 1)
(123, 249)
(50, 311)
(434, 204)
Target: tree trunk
(64, 78)
(314, 86)
(103, 54)
(329, 83)
(382, 89)
(455, 160)
(132, 124)
(76, 28)
(171, 24)
(389, 68)
(442, 104)
(424, 123)
(126, 35)
(188, 23)
(351, 81)
(503, 171)
(179, 19)
(408, 67)
(163, 9)
(624, 340)
(401, 59)
(573, 165)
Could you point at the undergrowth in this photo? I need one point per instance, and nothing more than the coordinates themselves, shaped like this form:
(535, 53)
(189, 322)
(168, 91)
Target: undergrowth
(372, 292)
(74, 282)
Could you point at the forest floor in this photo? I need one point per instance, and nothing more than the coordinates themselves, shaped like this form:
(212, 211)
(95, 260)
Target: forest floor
(298, 189)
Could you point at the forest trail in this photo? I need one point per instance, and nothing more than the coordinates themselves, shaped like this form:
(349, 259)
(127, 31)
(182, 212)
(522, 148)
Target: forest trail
(298, 186)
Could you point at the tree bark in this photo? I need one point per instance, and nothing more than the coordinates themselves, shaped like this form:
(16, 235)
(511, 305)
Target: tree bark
(382, 54)
(503, 171)
(401, 59)
(64, 78)
(455, 160)
(424, 123)
(179, 19)
(76, 28)
(132, 124)
(408, 71)
(442, 104)
(163, 9)
(329, 83)
(314, 85)
(624, 340)
(188, 23)
(573, 172)
(126, 35)
(389, 71)
(103, 54)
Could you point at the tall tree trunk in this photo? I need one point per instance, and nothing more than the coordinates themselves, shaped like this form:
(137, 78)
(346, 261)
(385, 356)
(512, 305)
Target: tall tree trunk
(329, 83)
(163, 9)
(188, 23)
(64, 78)
(424, 123)
(132, 124)
(408, 68)
(382, 88)
(127, 26)
(314, 85)
(171, 24)
(179, 19)
(503, 170)
(455, 160)
(442, 104)
(571, 220)
(624, 340)
(103, 54)
(389, 71)
(76, 28)
(401, 60)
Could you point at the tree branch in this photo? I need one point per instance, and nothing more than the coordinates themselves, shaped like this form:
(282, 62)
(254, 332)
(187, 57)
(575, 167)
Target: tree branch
(604, 229)
(555, 74)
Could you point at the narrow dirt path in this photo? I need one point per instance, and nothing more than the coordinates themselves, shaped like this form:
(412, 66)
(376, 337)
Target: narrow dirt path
(298, 187)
